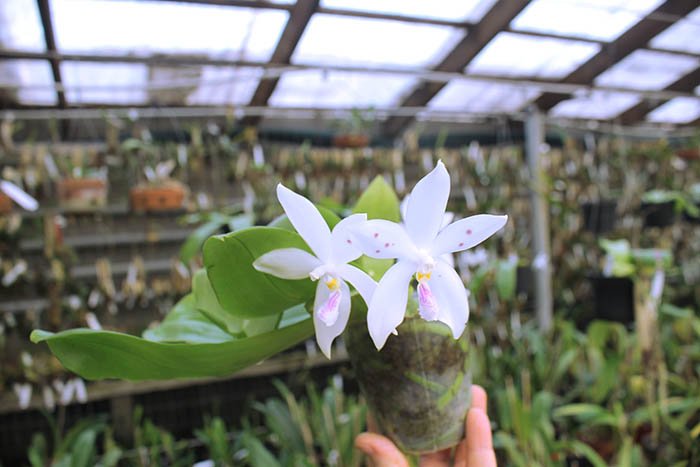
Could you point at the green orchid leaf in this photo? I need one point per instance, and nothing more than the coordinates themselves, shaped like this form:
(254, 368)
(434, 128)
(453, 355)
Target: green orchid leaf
(185, 323)
(506, 278)
(105, 354)
(379, 201)
(196, 239)
(652, 257)
(282, 222)
(240, 289)
(207, 303)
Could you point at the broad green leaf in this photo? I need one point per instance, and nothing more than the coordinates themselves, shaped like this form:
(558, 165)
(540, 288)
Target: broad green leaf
(282, 222)
(379, 201)
(206, 302)
(240, 289)
(185, 323)
(106, 354)
(506, 277)
(196, 239)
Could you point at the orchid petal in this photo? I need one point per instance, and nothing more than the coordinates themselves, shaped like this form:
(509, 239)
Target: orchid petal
(388, 305)
(307, 221)
(467, 233)
(325, 335)
(426, 206)
(449, 259)
(287, 263)
(359, 279)
(342, 248)
(379, 238)
(451, 296)
(447, 219)
(19, 196)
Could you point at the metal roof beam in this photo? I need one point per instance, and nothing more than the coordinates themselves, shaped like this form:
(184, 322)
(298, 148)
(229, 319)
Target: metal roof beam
(46, 22)
(498, 18)
(634, 38)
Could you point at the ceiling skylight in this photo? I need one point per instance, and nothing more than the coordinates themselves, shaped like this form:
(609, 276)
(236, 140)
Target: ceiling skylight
(678, 110)
(109, 83)
(647, 70)
(225, 86)
(451, 10)
(340, 40)
(20, 26)
(684, 36)
(599, 105)
(482, 96)
(146, 27)
(592, 19)
(33, 80)
(518, 55)
(311, 88)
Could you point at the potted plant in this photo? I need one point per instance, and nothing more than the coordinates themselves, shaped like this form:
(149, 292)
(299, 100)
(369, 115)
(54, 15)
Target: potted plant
(353, 132)
(661, 207)
(159, 192)
(599, 216)
(406, 332)
(85, 188)
(690, 151)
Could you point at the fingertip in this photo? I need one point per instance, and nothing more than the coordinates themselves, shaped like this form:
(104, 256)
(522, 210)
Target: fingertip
(479, 398)
(380, 450)
(478, 431)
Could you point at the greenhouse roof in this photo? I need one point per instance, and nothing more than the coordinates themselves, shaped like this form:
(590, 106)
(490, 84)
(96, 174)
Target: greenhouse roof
(626, 61)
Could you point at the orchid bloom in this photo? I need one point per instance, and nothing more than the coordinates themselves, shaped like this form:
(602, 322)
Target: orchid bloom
(419, 244)
(328, 265)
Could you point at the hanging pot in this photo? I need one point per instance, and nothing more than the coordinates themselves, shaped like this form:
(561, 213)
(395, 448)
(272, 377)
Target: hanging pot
(418, 387)
(168, 196)
(613, 299)
(82, 194)
(659, 214)
(350, 140)
(599, 217)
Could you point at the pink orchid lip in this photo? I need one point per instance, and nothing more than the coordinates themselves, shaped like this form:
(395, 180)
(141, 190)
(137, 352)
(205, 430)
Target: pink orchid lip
(328, 313)
(427, 304)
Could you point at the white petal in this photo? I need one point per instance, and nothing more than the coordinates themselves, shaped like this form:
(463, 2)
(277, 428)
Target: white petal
(379, 238)
(342, 248)
(307, 221)
(388, 305)
(19, 196)
(451, 296)
(325, 335)
(426, 206)
(403, 206)
(447, 219)
(467, 233)
(449, 259)
(364, 284)
(287, 263)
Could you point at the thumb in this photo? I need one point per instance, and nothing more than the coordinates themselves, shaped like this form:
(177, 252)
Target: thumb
(381, 451)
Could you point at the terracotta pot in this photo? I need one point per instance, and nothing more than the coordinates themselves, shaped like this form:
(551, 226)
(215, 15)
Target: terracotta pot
(350, 140)
(82, 193)
(689, 154)
(418, 387)
(5, 203)
(166, 197)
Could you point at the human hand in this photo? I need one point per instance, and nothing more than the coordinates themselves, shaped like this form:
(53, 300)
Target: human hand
(474, 451)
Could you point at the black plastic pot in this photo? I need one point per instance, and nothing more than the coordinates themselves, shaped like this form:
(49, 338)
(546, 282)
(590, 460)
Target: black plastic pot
(418, 387)
(613, 299)
(599, 217)
(524, 280)
(659, 214)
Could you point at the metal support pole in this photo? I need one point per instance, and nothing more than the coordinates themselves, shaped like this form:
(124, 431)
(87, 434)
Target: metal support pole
(541, 265)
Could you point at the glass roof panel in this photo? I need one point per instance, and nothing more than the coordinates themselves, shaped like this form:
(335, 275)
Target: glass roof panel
(33, 79)
(519, 55)
(225, 86)
(482, 96)
(105, 83)
(593, 19)
(142, 28)
(678, 110)
(20, 26)
(647, 70)
(315, 88)
(341, 40)
(450, 10)
(601, 105)
(683, 36)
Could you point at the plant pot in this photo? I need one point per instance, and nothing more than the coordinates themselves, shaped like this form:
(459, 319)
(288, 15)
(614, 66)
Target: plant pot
(158, 198)
(599, 217)
(613, 299)
(689, 154)
(659, 214)
(350, 140)
(82, 194)
(5, 204)
(418, 387)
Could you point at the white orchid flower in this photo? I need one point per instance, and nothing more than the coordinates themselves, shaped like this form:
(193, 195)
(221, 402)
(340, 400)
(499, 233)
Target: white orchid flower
(328, 265)
(446, 220)
(419, 244)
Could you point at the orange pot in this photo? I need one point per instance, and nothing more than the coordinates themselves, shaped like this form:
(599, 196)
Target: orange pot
(82, 193)
(350, 140)
(167, 197)
(5, 203)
